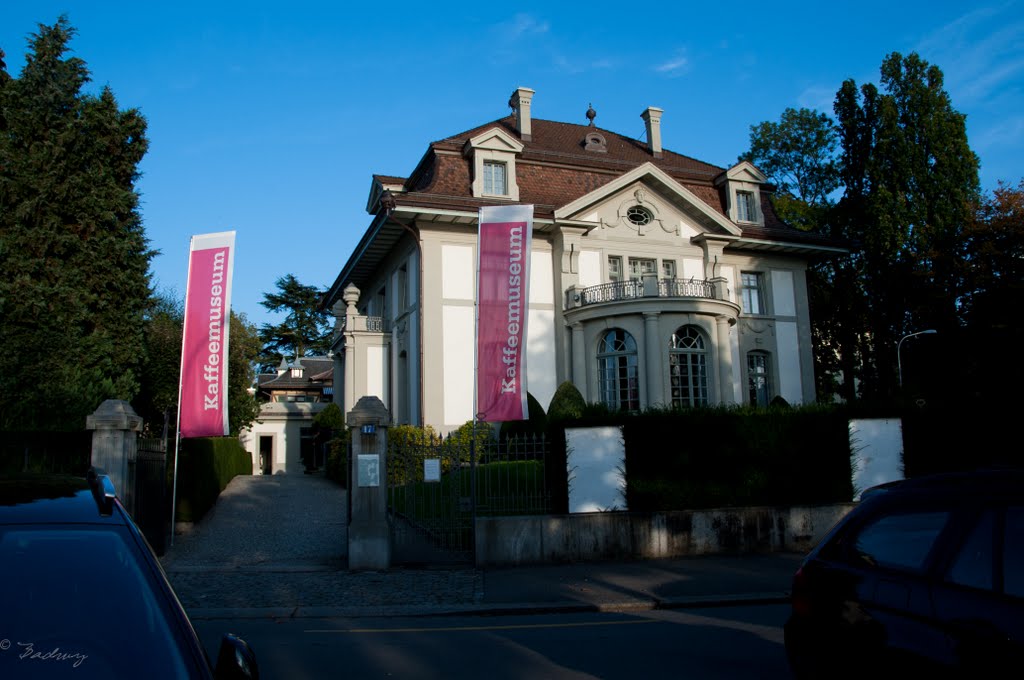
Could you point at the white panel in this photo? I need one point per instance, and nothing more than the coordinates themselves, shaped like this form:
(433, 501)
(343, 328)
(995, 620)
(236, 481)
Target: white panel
(590, 268)
(457, 272)
(790, 386)
(692, 269)
(542, 280)
(457, 357)
(729, 274)
(737, 368)
(877, 446)
(375, 373)
(783, 293)
(595, 461)
(540, 356)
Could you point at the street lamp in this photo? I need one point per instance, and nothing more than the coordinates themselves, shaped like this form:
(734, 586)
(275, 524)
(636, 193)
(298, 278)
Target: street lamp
(899, 365)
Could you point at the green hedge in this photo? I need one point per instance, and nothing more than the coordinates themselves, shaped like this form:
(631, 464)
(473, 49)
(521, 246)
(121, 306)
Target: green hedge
(205, 468)
(721, 457)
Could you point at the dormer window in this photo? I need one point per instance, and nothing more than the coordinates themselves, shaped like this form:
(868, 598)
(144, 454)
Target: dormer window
(742, 184)
(492, 154)
(746, 209)
(495, 174)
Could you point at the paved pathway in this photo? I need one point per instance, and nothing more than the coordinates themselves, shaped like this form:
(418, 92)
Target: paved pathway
(278, 543)
(275, 547)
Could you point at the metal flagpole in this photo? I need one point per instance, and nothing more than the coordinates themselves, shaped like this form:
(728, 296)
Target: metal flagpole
(476, 382)
(181, 374)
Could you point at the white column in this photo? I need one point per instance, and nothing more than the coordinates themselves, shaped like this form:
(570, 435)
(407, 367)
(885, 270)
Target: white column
(726, 379)
(579, 360)
(652, 345)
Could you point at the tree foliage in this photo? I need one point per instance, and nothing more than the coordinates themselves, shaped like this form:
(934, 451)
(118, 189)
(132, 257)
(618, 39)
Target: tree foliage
(909, 181)
(305, 330)
(73, 252)
(162, 371)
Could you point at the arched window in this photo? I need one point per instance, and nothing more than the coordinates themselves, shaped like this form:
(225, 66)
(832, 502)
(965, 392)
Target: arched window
(617, 368)
(688, 366)
(759, 378)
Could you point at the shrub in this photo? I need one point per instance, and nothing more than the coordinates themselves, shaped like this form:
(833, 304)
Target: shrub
(567, 404)
(205, 468)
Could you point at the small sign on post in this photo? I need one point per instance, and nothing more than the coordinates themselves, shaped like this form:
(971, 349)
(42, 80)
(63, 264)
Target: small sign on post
(369, 469)
(432, 470)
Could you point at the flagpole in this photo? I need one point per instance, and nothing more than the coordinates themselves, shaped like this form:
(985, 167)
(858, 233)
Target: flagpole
(476, 382)
(181, 375)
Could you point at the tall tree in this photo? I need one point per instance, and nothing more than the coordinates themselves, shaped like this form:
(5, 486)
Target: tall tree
(910, 180)
(73, 251)
(305, 330)
(799, 154)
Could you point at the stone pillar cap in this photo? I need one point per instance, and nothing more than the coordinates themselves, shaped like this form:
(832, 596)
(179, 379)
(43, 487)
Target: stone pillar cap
(368, 411)
(114, 414)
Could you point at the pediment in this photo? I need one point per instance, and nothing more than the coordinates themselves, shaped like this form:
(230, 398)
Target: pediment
(659, 182)
(494, 139)
(744, 171)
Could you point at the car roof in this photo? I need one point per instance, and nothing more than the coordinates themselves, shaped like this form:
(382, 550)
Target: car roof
(57, 499)
(1001, 481)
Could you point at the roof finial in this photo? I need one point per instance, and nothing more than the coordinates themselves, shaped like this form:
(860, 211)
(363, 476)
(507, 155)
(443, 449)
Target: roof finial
(591, 114)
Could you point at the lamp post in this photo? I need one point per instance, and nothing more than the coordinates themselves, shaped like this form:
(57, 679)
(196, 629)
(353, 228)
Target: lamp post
(899, 365)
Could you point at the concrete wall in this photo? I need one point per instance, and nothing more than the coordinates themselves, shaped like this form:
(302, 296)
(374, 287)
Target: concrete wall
(504, 541)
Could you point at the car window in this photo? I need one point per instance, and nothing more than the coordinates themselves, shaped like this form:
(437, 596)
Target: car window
(76, 603)
(899, 541)
(973, 564)
(1013, 552)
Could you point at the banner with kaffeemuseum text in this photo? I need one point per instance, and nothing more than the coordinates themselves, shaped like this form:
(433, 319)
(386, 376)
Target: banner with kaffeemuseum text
(503, 292)
(203, 400)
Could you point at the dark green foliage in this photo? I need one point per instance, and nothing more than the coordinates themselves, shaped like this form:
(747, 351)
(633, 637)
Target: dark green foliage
(953, 437)
(205, 468)
(736, 457)
(162, 369)
(535, 425)
(567, 404)
(328, 428)
(336, 468)
(73, 252)
(243, 408)
(910, 180)
(306, 329)
(47, 452)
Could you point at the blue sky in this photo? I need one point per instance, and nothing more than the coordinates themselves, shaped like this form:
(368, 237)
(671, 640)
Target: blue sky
(270, 118)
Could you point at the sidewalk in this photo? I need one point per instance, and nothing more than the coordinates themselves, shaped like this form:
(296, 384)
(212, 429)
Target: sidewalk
(272, 548)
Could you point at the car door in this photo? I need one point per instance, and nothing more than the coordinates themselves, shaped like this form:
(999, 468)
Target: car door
(979, 599)
(894, 551)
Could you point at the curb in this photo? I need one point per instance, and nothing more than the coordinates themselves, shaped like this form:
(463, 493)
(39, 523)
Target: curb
(487, 609)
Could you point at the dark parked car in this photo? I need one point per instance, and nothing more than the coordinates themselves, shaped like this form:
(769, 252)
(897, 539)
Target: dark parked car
(82, 595)
(924, 575)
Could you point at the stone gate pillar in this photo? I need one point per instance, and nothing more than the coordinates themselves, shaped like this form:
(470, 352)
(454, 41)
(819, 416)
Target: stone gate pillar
(369, 533)
(115, 427)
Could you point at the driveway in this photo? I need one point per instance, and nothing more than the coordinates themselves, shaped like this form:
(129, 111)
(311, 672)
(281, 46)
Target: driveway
(268, 522)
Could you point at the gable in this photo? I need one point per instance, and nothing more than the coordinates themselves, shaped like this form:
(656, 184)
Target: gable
(649, 180)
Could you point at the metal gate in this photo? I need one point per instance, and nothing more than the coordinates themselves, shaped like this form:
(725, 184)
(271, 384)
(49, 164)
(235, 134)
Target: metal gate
(430, 500)
(438, 487)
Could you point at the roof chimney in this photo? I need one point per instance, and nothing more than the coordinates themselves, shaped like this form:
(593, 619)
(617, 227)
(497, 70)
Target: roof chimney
(520, 101)
(652, 117)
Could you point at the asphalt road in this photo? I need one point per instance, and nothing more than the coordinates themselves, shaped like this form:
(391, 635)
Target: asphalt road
(714, 642)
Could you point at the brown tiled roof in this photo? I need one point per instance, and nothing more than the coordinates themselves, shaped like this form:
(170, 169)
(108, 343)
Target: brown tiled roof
(317, 372)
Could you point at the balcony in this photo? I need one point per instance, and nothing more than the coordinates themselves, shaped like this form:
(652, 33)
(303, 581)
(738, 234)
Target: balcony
(649, 287)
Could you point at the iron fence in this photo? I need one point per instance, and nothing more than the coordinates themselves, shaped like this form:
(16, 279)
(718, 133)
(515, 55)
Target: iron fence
(437, 487)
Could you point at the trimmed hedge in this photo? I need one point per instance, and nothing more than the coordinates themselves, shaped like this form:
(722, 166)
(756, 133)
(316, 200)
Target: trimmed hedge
(205, 468)
(722, 457)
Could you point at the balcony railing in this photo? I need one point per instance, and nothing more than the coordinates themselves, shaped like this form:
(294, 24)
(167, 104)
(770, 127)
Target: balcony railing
(619, 291)
(371, 324)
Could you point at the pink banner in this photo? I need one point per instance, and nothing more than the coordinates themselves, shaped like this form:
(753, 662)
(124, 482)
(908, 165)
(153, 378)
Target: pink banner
(502, 310)
(203, 408)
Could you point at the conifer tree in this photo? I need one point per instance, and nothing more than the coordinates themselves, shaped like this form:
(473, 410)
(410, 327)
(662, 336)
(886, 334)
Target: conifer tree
(73, 252)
